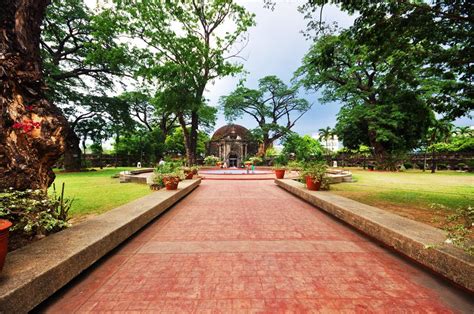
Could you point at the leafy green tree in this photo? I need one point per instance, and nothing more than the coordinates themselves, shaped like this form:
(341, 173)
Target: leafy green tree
(325, 134)
(186, 48)
(440, 131)
(175, 143)
(384, 107)
(275, 106)
(304, 148)
(81, 56)
(464, 131)
(435, 35)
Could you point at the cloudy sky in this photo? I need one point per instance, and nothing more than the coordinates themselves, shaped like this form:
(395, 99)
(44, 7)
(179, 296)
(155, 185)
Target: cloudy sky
(276, 47)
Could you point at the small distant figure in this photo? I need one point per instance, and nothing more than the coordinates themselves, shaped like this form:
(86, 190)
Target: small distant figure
(253, 168)
(334, 163)
(161, 162)
(139, 164)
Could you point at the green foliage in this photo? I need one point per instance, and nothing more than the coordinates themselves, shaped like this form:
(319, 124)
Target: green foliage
(459, 227)
(184, 50)
(211, 160)
(33, 213)
(275, 106)
(280, 161)
(295, 165)
(384, 107)
(304, 148)
(271, 152)
(256, 160)
(317, 172)
(150, 144)
(456, 144)
(175, 143)
(168, 170)
(425, 44)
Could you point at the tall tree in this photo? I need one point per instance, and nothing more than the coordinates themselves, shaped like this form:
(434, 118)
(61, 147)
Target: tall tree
(385, 106)
(82, 56)
(275, 106)
(325, 134)
(186, 48)
(437, 33)
(32, 129)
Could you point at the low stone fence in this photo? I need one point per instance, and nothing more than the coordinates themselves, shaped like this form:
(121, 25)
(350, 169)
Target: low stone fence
(420, 242)
(35, 272)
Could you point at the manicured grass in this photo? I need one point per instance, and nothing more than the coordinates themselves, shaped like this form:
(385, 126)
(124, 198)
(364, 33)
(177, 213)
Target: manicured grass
(411, 193)
(96, 192)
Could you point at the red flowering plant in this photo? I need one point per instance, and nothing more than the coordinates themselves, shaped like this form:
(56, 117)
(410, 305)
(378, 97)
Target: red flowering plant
(27, 125)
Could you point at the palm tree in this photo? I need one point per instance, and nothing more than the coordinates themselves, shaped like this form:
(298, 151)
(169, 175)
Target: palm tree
(325, 134)
(440, 132)
(463, 131)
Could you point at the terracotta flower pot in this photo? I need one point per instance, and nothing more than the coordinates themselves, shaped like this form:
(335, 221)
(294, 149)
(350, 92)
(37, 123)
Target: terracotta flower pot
(311, 184)
(171, 183)
(189, 175)
(4, 226)
(280, 173)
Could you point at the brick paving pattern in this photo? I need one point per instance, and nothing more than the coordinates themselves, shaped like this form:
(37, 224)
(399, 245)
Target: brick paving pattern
(250, 247)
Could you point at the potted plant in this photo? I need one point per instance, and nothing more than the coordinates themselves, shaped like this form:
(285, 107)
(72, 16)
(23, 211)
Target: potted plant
(188, 172)
(279, 166)
(4, 228)
(168, 175)
(195, 169)
(171, 180)
(314, 175)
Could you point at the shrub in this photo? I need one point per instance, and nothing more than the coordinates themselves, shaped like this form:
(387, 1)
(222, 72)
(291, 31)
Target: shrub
(459, 227)
(408, 165)
(317, 171)
(167, 169)
(295, 165)
(34, 214)
(256, 160)
(211, 160)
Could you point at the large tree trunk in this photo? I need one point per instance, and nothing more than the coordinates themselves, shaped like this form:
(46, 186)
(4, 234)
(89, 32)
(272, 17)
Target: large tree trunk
(266, 144)
(380, 154)
(72, 155)
(187, 138)
(32, 130)
(194, 137)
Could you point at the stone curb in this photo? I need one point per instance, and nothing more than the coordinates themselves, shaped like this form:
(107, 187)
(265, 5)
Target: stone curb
(408, 237)
(35, 272)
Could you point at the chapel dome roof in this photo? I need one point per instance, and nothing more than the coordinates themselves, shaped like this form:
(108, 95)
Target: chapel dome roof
(232, 130)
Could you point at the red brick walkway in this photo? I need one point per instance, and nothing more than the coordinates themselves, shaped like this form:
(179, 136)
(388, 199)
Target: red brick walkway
(248, 246)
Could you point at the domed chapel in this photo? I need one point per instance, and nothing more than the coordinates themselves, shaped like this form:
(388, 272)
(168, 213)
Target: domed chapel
(233, 144)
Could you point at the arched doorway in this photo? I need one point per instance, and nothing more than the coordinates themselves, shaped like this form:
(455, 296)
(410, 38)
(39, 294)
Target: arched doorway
(233, 159)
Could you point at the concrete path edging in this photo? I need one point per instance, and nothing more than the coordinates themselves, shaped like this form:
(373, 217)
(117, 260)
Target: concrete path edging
(35, 272)
(418, 241)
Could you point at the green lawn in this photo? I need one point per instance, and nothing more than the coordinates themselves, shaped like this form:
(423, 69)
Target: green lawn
(410, 193)
(96, 192)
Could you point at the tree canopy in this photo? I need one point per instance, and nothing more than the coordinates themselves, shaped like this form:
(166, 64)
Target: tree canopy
(186, 49)
(275, 106)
